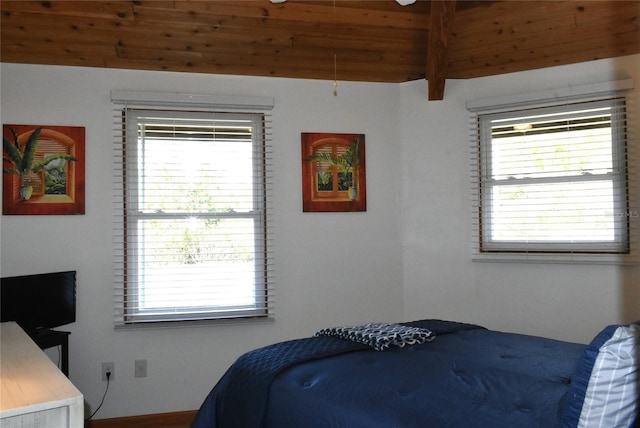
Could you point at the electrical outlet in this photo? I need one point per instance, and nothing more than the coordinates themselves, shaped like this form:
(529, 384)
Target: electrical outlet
(141, 368)
(108, 368)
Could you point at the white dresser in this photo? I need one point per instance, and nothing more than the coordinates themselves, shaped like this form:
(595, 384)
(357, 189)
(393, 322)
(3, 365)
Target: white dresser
(34, 393)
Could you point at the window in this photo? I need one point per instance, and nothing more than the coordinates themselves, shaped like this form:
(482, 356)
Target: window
(553, 179)
(193, 202)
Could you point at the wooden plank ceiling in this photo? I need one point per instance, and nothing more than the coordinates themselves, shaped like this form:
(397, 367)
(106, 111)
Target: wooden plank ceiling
(375, 41)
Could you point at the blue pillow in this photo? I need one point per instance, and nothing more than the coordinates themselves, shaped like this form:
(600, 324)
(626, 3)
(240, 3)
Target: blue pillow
(381, 336)
(604, 387)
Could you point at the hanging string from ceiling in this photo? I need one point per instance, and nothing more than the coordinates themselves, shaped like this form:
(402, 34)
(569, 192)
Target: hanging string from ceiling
(335, 56)
(335, 75)
(335, 25)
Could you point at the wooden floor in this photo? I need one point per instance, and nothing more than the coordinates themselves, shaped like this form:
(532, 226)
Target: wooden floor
(160, 420)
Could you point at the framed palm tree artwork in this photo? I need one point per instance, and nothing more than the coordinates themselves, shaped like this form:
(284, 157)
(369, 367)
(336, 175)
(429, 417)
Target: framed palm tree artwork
(43, 170)
(333, 172)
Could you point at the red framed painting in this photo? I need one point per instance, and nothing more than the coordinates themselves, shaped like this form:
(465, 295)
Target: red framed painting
(43, 170)
(333, 172)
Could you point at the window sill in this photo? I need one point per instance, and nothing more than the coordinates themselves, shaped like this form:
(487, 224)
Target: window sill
(194, 323)
(557, 258)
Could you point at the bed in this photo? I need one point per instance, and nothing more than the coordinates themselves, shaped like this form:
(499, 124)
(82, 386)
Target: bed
(430, 373)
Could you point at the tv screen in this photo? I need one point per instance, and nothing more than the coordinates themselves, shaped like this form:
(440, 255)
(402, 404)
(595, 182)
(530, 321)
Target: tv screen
(39, 302)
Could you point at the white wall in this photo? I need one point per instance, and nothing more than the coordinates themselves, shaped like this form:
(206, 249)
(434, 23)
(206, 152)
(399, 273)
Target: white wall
(570, 302)
(407, 257)
(331, 268)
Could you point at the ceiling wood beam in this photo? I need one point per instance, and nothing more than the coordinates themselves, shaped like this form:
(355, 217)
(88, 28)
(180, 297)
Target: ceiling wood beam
(442, 12)
(357, 40)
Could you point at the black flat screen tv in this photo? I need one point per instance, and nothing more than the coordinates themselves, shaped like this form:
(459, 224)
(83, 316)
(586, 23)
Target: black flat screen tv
(39, 302)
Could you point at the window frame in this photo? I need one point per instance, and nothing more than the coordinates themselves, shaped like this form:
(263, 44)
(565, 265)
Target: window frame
(128, 112)
(618, 178)
(621, 89)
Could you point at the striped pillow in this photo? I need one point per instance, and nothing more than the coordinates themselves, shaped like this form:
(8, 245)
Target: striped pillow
(604, 389)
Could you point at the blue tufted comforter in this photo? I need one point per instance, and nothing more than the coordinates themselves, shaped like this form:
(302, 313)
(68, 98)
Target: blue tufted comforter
(467, 377)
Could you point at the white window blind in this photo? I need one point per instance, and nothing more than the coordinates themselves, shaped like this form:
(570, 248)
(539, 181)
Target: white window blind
(553, 180)
(193, 227)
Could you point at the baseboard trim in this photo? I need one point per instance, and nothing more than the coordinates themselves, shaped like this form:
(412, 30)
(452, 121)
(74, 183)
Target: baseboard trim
(158, 420)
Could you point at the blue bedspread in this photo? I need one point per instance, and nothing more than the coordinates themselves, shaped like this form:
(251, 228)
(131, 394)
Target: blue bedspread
(239, 399)
(472, 377)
